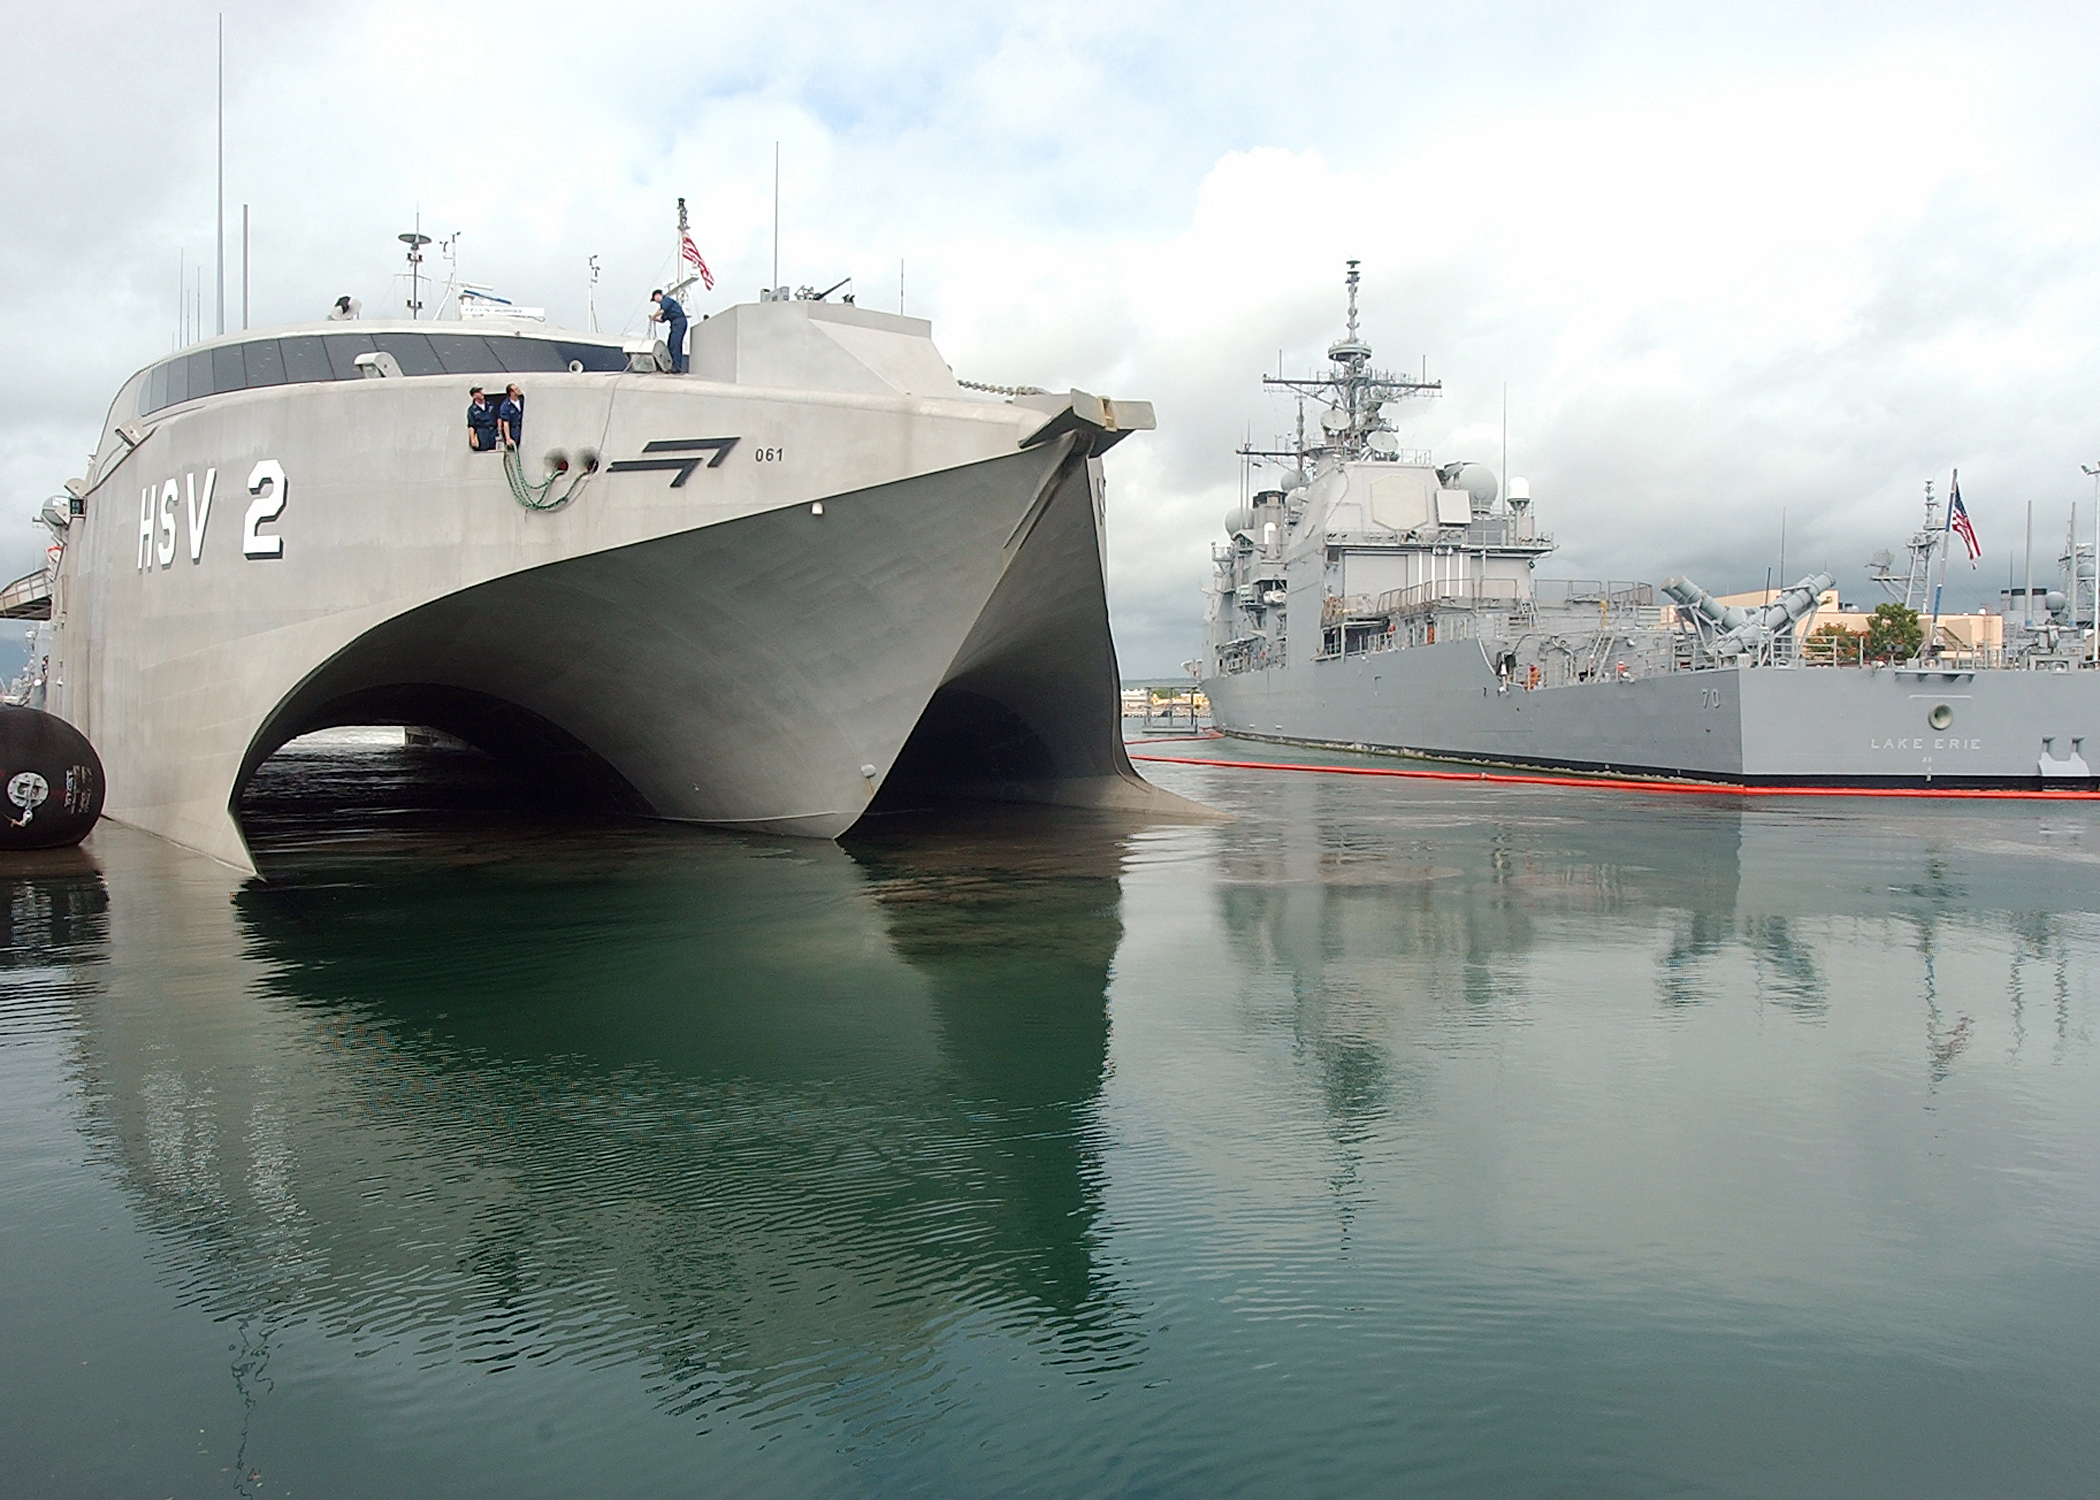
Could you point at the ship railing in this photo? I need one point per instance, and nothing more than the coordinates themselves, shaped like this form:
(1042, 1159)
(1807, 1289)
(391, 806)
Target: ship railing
(1605, 592)
(28, 597)
(1488, 531)
(1964, 659)
(1458, 593)
(1505, 531)
(1369, 610)
(1249, 654)
(1850, 650)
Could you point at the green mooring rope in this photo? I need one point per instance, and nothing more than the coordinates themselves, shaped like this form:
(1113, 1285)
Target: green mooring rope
(540, 496)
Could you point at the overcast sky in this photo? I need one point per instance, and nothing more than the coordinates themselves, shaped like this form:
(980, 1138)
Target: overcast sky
(1728, 261)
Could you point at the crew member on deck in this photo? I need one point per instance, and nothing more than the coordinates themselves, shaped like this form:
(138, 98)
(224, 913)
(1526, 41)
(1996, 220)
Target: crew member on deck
(668, 311)
(481, 423)
(510, 417)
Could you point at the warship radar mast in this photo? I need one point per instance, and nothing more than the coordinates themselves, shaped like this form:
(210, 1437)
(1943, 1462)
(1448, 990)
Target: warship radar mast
(1355, 394)
(1911, 587)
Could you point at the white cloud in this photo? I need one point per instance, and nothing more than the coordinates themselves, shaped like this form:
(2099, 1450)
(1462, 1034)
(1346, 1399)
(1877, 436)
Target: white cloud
(1727, 261)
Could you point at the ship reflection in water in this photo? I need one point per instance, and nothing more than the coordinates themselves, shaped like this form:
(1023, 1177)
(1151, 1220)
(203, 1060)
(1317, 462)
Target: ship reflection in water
(1393, 1136)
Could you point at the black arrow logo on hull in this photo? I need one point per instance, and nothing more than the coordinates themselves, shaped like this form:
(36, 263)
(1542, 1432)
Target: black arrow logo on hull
(719, 447)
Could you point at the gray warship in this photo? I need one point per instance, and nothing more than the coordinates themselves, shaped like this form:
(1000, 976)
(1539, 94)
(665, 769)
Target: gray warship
(815, 572)
(1374, 599)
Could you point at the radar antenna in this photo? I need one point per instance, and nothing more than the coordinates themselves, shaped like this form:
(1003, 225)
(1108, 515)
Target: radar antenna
(1911, 588)
(415, 239)
(1354, 392)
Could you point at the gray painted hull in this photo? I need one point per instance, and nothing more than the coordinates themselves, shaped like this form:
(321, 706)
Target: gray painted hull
(1805, 726)
(753, 643)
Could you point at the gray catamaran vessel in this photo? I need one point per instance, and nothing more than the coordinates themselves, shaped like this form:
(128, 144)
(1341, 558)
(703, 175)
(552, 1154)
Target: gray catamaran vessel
(759, 595)
(1376, 600)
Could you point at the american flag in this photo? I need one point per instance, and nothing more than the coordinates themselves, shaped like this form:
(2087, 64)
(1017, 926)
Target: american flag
(691, 252)
(1958, 521)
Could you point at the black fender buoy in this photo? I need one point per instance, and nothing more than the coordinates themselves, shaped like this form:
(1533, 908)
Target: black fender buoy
(50, 781)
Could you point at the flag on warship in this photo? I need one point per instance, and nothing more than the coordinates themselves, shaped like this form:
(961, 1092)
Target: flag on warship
(691, 252)
(1958, 521)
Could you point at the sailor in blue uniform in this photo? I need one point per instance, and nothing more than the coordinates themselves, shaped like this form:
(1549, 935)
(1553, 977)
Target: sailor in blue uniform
(668, 311)
(510, 417)
(481, 422)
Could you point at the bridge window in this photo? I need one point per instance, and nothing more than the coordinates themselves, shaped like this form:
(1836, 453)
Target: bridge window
(523, 356)
(265, 363)
(228, 369)
(413, 353)
(343, 349)
(460, 354)
(306, 359)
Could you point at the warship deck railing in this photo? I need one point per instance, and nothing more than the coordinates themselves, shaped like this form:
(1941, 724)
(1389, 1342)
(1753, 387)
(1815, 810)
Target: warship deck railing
(28, 597)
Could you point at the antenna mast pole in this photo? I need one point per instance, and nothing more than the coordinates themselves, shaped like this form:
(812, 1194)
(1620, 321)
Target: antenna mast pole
(1953, 489)
(776, 214)
(222, 173)
(2027, 594)
(2094, 471)
(682, 278)
(244, 268)
(415, 242)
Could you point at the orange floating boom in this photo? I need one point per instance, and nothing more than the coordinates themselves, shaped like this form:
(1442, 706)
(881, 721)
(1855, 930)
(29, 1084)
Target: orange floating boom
(1646, 784)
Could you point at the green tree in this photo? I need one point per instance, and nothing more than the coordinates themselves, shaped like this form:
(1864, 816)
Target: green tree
(1894, 633)
(1840, 645)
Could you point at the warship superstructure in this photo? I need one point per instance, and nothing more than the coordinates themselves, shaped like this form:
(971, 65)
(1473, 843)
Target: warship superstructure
(1376, 599)
(815, 569)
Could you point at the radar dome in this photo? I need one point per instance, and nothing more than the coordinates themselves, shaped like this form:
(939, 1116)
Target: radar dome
(1479, 481)
(1238, 519)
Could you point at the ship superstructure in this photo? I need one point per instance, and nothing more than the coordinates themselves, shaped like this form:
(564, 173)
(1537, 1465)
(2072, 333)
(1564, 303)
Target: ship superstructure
(1374, 598)
(759, 595)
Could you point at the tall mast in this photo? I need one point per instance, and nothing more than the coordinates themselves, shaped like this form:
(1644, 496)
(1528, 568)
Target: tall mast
(222, 173)
(415, 241)
(1354, 392)
(682, 278)
(1953, 490)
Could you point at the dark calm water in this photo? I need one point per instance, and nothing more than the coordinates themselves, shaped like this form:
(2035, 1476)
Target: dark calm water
(1391, 1139)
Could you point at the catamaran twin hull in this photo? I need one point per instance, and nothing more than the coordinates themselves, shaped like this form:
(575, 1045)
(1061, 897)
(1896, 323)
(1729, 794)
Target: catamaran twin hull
(1897, 726)
(741, 618)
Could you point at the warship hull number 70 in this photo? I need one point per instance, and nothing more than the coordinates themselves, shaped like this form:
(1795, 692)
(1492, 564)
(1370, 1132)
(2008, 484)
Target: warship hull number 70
(1376, 600)
(757, 595)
